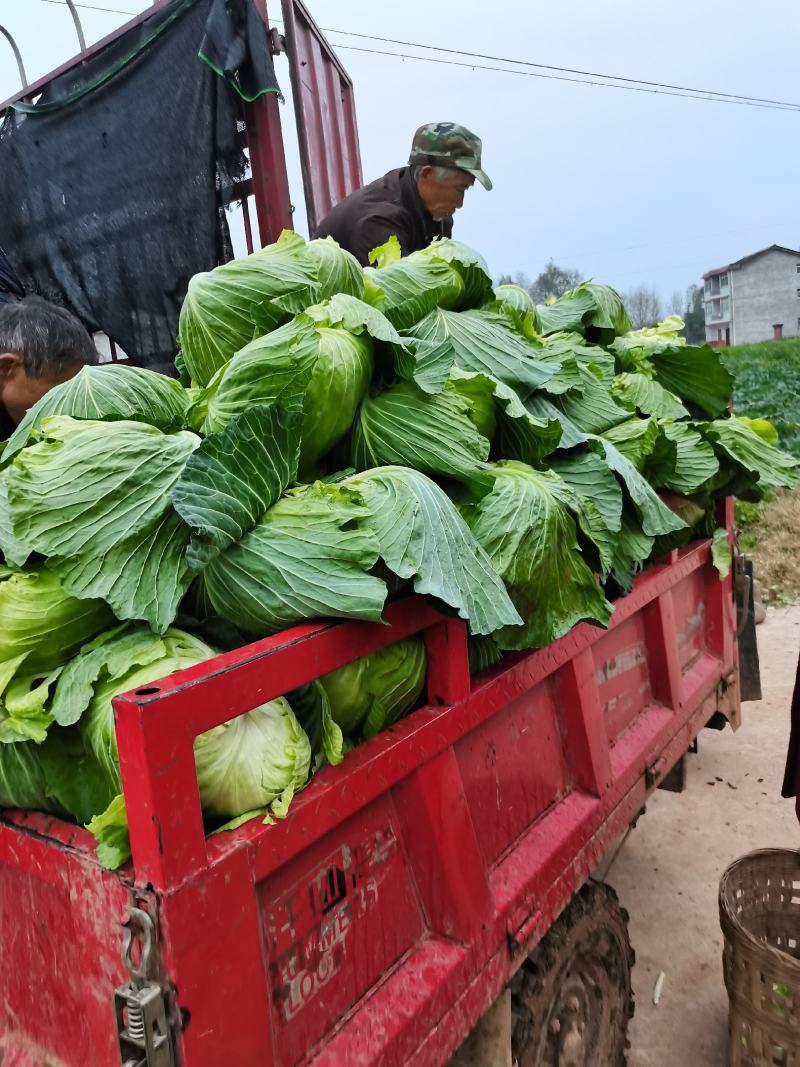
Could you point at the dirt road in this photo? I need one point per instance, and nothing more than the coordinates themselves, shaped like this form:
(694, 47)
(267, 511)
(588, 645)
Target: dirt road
(668, 872)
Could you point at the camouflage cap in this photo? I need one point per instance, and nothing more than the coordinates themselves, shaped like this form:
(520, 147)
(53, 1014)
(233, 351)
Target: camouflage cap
(446, 144)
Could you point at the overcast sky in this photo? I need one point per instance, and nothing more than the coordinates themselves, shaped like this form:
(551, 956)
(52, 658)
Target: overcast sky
(630, 188)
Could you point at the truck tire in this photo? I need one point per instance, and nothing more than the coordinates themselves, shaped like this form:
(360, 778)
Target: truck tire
(572, 998)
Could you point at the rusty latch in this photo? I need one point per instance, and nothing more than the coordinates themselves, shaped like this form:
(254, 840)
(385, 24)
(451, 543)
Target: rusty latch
(140, 1008)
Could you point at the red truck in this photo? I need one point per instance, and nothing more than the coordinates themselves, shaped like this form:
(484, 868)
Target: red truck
(428, 899)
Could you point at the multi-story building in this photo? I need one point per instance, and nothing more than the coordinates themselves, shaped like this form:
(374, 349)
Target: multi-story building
(754, 299)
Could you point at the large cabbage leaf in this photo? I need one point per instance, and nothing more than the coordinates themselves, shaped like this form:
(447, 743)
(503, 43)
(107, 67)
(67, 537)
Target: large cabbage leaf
(320, 364)
(234, 477)
(655, 517)
(636, 390)
(41, 627)
(737, 444)
(43, 623)
(57, 776)
(432, 434)
(633, 547)
(593, 409)
(375, 691)
(600, 516)
(109, 392)
(517, 305)
(274, 369)
(645, 444)
(421, 536)
(228, 307)
(526, 526)
(543, 408)
(590, 308)
(480, 341)
(695, 461)
(272, 560)
(93, 498)
(696, 375)
(564, 347)
(309, 556)
(470, 265)
(633, 349)
(337, 271)
(414, 285)
(501, 416)
(12, 550)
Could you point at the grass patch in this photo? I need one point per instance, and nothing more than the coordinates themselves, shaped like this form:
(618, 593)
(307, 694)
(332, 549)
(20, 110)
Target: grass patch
(768, 533)
(767, 385)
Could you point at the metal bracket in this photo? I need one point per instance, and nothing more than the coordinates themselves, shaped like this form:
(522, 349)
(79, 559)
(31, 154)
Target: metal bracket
(140, 1006)
(742, 584)
(749, 667)
(277, 42)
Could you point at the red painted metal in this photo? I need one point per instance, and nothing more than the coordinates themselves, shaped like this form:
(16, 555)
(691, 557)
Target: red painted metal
(377, 921)
(324, 106)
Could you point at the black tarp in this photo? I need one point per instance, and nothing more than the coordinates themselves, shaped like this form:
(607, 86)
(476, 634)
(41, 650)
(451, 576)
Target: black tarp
(10, 285)
(113, 183)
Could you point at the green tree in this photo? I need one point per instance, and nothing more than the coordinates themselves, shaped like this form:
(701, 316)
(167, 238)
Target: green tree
(554, 281)
(520, 279)
(694, 316)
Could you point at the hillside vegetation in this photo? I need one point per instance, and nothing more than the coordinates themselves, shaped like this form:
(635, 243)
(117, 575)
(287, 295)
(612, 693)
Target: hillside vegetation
(767, 385)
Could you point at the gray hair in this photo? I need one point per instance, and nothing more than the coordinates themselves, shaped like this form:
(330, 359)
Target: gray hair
(439, 173)
(48, 339)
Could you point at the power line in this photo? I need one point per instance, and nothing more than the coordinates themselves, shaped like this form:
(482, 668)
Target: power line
(93, 7)
(565, 74)
(564, 70)
(578, 81)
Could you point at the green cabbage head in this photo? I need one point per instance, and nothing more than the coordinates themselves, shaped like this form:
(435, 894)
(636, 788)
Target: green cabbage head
(377, 690)
(41, 622)
(256, 760)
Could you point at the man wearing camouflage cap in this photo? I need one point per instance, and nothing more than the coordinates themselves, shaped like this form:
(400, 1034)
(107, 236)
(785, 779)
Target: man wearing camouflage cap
(417, 202)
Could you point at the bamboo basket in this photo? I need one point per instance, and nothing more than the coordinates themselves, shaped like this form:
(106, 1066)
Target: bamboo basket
(759, 908)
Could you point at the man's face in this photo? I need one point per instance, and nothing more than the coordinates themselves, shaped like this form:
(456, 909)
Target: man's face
(18, 392)
(444, 195)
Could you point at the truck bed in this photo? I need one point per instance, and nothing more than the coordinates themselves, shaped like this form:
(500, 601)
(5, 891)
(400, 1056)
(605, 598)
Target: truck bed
(376, 923)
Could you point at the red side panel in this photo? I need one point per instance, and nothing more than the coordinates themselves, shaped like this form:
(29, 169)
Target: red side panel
(326, 114)
(60, 933)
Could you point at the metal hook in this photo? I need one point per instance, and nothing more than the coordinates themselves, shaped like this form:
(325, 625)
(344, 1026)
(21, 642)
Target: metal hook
(138, 917)
(78, 26)
(17, 55)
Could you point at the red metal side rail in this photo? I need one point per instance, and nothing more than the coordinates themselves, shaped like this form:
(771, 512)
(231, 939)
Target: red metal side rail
(376, 923)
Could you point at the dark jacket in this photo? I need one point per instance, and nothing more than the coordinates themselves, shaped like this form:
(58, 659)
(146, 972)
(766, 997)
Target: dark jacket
(7, 424)
(369, 216)
(791, 778)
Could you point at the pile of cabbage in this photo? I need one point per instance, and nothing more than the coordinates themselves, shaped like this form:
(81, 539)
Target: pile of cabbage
(338, 437)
